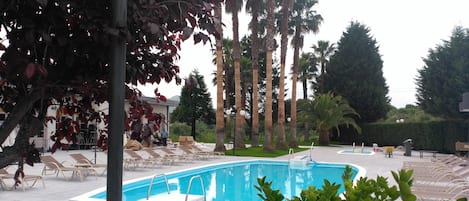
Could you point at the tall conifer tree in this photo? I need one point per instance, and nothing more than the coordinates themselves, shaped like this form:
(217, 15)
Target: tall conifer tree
(355, 72)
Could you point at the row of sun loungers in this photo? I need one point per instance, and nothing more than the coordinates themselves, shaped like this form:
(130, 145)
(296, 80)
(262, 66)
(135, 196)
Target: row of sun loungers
(445, 178)
(83, 167)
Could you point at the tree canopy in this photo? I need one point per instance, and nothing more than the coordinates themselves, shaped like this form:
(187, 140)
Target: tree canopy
(327, 111)
(445, 76)
(56, 49)
(355, 72)
(195, 103)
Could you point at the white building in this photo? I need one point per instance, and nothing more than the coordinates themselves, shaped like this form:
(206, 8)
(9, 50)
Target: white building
(89, 131)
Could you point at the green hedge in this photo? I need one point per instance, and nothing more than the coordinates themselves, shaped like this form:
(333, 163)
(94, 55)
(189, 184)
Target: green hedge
(436, 135)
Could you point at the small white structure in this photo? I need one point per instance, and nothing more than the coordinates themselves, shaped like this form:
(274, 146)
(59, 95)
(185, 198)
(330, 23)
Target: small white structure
(92, 128)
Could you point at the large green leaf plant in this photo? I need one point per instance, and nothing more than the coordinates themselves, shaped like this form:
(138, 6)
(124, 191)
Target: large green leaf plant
(364, 189)
(327, 111)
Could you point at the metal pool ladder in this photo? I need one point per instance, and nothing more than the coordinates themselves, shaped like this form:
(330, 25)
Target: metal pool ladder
(190, 185)
(167, 186)
(151, 183)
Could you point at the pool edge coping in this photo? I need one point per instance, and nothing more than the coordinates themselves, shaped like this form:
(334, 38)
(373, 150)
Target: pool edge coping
(87, 196)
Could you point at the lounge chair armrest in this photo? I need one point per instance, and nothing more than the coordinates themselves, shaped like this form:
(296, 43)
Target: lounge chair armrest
(65, 163)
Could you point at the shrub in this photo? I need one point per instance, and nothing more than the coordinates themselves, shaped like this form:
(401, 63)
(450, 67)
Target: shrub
(365, 189)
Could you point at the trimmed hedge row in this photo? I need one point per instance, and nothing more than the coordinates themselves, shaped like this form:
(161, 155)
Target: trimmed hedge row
(436, 135)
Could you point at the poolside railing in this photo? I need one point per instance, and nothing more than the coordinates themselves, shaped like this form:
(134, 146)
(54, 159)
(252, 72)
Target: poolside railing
(190, 185)
(151, 184)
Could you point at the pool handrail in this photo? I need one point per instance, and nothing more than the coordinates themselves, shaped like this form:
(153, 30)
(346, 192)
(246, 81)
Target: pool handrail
(290, 153)
(311, 151)
(151, 184)
(190, 185)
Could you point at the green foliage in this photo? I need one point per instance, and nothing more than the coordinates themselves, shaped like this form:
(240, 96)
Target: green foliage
(434, 135)
(365, 189)
(205, 132)
(327, 111)
(355, 73)
(404, 180)
(444, 78)
(265, 191)
(259, 152)
(195, 102)
(410, 113)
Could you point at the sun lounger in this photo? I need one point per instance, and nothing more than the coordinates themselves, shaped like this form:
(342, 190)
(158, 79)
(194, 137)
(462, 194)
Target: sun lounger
(214, 154)
(168, 160)
(446, 161)
(439, 195)
(453, 185)
(85, 162)
(25, 181)
(51, 164)
(194, 155)
(180, 157)
(142, 162)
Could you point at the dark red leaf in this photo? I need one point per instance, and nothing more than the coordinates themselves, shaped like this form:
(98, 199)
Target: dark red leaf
(162, 98)
(30, 70)
(42, 70)
(2, 47)
(54, 147)
(192, 21)
(197, 38)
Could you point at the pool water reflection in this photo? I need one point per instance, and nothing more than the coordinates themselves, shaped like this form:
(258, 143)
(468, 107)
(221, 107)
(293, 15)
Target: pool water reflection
(236, 181)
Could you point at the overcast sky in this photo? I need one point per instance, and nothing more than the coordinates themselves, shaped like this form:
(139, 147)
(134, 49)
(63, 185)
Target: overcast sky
(404, 29)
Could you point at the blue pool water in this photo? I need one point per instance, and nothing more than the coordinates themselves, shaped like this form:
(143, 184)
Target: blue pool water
(236, 181)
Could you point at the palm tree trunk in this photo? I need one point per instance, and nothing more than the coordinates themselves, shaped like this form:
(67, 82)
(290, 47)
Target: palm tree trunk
(321, 77)
(239, 127)
(281, 143)
(227, 98)
(268, 102)
(255, 75)
(305, 89)
(296, 58)
(220, 134)
(323, 137)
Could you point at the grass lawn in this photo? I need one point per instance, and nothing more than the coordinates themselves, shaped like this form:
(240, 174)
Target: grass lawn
(259, 152)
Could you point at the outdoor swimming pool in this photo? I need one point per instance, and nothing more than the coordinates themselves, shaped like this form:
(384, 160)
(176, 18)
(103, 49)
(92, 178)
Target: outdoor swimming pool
(233, 181)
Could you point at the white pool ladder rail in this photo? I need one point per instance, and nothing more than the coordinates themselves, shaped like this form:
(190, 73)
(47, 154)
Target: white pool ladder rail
(190, 185)
(176, 196)
(151, 184)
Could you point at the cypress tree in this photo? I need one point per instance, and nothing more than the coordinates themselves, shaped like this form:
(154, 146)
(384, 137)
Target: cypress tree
(355, 73)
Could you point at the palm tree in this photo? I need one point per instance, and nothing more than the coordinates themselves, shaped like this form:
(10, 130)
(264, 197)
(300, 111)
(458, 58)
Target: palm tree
(227, 74)
(219, 145)
(327, 111)
(281, 143)
(305, 20)
(306, 71)
(323, 50)
(253, 6)
(269, 42)
(234, 7)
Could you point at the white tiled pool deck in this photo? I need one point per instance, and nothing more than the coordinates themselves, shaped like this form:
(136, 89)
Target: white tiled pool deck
(59, 189)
